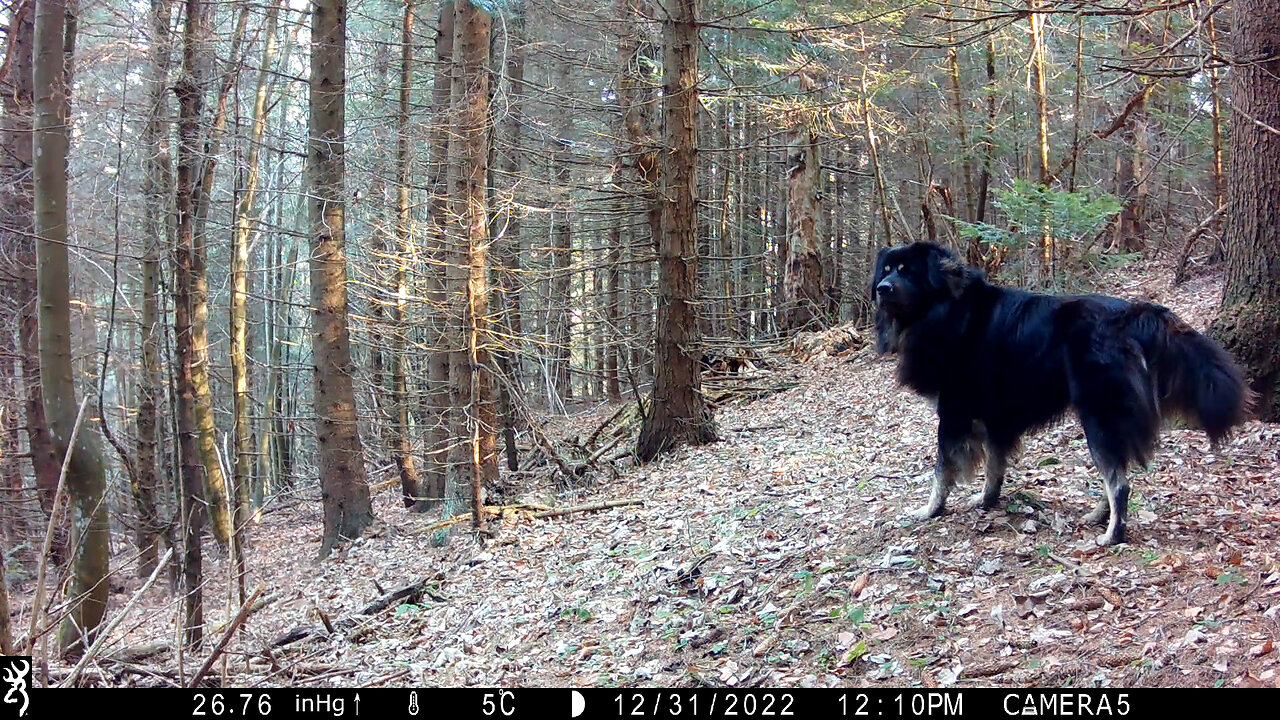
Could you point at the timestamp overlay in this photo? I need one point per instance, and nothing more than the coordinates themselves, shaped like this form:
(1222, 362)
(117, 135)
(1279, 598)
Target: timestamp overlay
(592, 703)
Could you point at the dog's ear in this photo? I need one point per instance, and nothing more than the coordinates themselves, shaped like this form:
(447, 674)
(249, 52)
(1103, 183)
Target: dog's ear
(948, 273)
(877, 272)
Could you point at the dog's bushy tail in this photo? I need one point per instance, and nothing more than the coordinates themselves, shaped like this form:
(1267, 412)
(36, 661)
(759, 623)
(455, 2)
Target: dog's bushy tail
(1194, 377)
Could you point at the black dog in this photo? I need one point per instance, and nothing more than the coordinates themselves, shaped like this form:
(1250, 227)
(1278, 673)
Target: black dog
(1000, 362)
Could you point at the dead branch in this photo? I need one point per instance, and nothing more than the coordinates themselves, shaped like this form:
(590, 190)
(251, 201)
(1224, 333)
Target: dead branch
(591, 439)
(1102, 133)
(541, 439)
(261, 603)
(236, 622)
(1180, 274)
(410, 594)
(557, 512)
(124, 612)
(133, 654)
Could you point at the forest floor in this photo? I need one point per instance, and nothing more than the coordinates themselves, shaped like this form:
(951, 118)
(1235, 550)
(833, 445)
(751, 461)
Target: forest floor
(783, 555)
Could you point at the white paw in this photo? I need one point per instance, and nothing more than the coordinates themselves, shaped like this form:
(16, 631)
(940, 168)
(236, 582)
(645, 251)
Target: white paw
(978, 501)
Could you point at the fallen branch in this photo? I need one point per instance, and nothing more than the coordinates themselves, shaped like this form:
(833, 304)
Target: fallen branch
(106, 631)
(261, 603)
(236, 622)
(596, 433)
(136, 653)
(1180, 274)
(466, 516)
(294, 635)
(541, 439)
(410, 594)
(586, 508)
(54, 518)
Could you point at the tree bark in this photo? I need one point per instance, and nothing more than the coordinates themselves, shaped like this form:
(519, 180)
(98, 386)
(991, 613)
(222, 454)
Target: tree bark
(1248, 324)
(562, 249)
(18, 217)
(872, 141)
(1041, 94)
(340, 460)
(678, 413)
(1130, 228)
(804, 282)
(245, 221)
(402, 444)
(1219, 176)
(86, 481)
(215, 480)
(438, 415)
(508, 241)
(190, 106)
(157, 183)
(640, 166)
(473, 383)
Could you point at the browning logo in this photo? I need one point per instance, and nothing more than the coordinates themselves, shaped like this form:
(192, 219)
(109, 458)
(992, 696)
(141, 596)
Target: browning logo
(15, 671)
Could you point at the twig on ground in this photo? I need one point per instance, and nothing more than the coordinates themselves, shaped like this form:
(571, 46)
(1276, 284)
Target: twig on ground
(236, 622)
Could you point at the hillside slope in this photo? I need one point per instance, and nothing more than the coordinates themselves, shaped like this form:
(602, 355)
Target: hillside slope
(783, 556)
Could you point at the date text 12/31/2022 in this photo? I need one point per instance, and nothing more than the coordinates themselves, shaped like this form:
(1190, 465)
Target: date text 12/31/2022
(873, 703)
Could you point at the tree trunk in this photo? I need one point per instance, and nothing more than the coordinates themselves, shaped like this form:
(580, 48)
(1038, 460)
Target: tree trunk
(340, 460)
(974, 251)
(474, 384)
(678, 413)
(962, 126)
(156, 187)
(215, 480)
(804, 291)
(872, 141)
(20, 247)
(1219, 176)
(640, 167)
(438, 416)
(86, 482)
(1130, 228)
(190, 106)
(242, 474)
(562, 250)
(1037, 21)
(401, 444)
(1248, 325)
(508, 242)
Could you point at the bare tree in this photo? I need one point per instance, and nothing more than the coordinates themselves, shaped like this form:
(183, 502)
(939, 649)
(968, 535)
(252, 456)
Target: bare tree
(86, 481)
(678, 414)
(1248, 324)
(344, 489)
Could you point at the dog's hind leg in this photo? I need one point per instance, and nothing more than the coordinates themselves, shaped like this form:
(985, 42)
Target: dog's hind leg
(1113, 507)
(997, 463)
(958, 455)
(1111, 389)
(1100, 513)
(1117, 489)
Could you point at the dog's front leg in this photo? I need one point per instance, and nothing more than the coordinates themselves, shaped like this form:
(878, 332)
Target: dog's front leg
(956, 461)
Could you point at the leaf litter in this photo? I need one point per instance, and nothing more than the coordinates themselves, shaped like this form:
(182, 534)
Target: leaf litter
(782, 555)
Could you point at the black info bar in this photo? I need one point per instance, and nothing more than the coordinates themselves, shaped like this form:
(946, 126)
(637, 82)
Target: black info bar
(591, 703)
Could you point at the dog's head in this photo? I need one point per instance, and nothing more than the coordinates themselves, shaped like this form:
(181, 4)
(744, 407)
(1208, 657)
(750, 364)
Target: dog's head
(910, 280)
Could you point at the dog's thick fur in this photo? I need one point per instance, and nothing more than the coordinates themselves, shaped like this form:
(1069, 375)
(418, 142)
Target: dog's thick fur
(1000, 362)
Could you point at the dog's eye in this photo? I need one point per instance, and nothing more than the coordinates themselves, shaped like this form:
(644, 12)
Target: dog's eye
(886, 269)
(901, 266)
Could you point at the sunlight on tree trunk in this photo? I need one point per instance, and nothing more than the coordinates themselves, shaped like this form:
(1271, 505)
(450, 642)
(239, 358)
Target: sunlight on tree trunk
(340, 459)
(86, 481)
